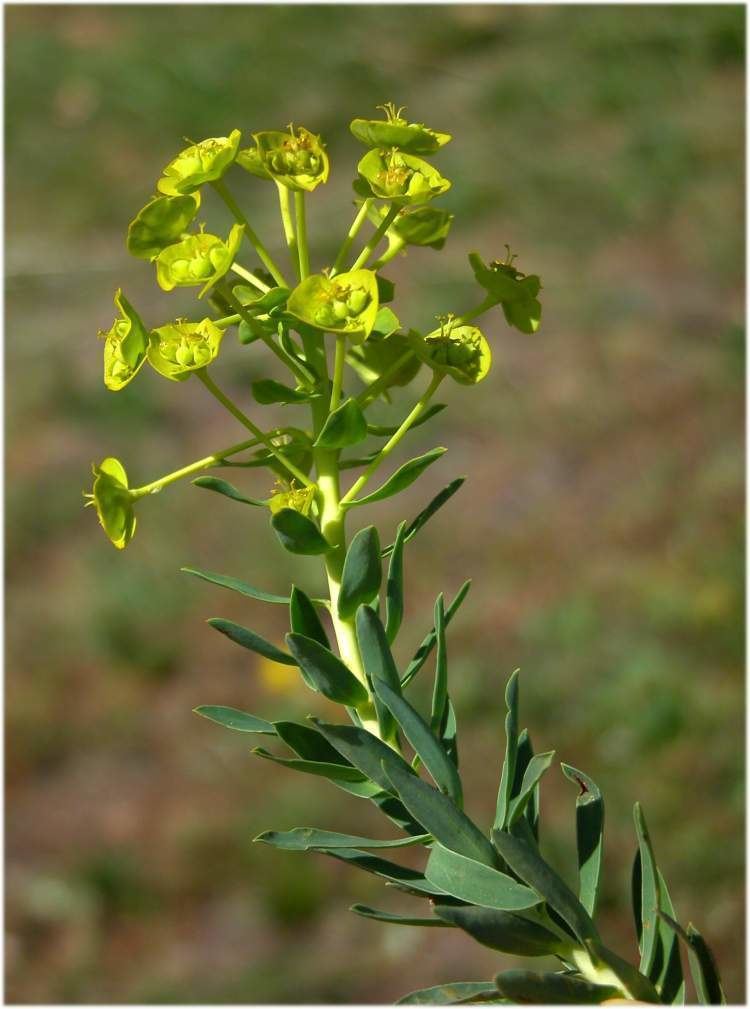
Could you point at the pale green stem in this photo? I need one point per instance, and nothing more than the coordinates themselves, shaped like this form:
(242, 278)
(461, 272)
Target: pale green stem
(338, 371)
(263, 254)
(384, 225)
(390, 253)
(206, 463)
(249, 277)
(392, 442)
(304, 251)
(228, 320)
(287, 224)
(359, 220)
(226, 402)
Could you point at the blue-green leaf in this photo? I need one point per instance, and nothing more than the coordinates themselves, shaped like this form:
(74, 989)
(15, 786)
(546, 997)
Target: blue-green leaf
(326, 671)
(336, 772)
(632, 983)
(532, 775)
(511, 751)
(347, 425)
(394, 592)
(386, 430)
(364, 750)
(268, 390)
(439, 708)
(426, 514)
(524, 754)
(503, 930)
(299, 534)
(589, 836)
(308, 743)
(649, 893)
(477, 883)
(399, 875)
(312, 839)
(525, 986)
(304, 619)
(397, 919)
(403, 477)
(703, 966)
(249, 639)
(423, 652)
(668, 979)
(233, 718)
(220, 486)
(378, 663)
(454, 993)
(362, 574)
(226, 582)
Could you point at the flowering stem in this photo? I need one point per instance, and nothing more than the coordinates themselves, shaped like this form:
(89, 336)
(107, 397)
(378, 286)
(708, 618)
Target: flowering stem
(250, 277)
(304, 251)
(374, 389)
(393, 250)
(384, 225)
(338, 371)
(359, 220)
(206, 463)
(287, 224)
(392, 441)
(232, 407)
(220, 187)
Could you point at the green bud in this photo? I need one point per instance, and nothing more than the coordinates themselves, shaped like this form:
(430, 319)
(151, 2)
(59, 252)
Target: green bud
(516, 292)
(206, 161)
(181, 347)
(401, 178)
(198, 259)
(125, 345)
(346, 303)
(425, 226)
(113, 501)
(160, 223)
(395, 131)
(459, 351)
(296, 159)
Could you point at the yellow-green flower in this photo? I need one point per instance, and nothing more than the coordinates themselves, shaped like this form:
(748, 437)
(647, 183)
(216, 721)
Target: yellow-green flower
(203, 162)
(514, 291)
(199, 259)
(113, 501)
(160, 223)
(395, 131)
(181, 347)
(300, 499)
(401, 178)
(457, 350)
(346, 303)
(125, 345)
(296, 159)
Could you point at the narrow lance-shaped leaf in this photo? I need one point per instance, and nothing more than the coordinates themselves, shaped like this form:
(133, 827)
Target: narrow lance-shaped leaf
(308, 743)
(454, 993)
(268, 390)
(702, 963)
(440, 688)
(426, 745)
(386, 430)
(403, 477)
(304, 619)
(465, 878)
(524, 755)
(669, 979)
(503, 930)
(529, 866)
(299, 534)
(525, 986)
(449, 734)
(423, 652)
(362, 572)
(531, 778)
(394, 592)
(589, 836)
(426, 514)
(312, 839)
(649, 893)
(378, 663)
(364, 750)
(399, 875)
(227, 489)
(511, 751)
(227, 582)
(253, 642)
(233, 718)
(601, 964)
(440, 816)
(327, 672)
(397, 919)
(347, 425)
(336, 772)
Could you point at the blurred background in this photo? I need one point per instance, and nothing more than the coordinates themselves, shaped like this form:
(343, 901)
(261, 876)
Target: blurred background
(602, 521)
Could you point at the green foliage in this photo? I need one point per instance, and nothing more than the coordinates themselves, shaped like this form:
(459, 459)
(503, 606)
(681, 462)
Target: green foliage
(502, 892)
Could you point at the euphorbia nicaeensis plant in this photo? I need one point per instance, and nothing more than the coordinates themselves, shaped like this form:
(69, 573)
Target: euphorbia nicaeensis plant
(346, 348)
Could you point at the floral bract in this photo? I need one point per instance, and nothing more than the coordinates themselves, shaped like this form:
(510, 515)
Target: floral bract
(160, 223)
(514, 291)
(296, 159)
(347, 303)
(113, 501)
(425, 226)
(199, 259)
(203, 162)
(395, 131)
(459, 351)
(182, 347)
(125, 345)
(401, 178)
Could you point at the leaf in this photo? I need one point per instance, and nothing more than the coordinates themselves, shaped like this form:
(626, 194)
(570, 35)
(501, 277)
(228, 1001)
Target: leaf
(220, 486)
(477, 883)
(233, 718)
(397, 919)
(440, 816)
(268, 390)
(378, 663)
(502, 930)
(364, 750)
(347, 425)
(403, 477)
(304, 619)
(391, 871)
(426, 514)
(427, 747)
(455, 993)
(299, 534)
(523, 757)
(249, 639)
(327, 672)
(308, 743)
(386, 322)
(668, 978)
(336, 772)
(311, 839)
(394, 592)
(225, 581)
(511, 752)
(606, 963)
(649, 893)
(423, 652)
(440, 688)
(589, 836)
(362, 574)
(449, 734)
(386, 288)
(525, 986)
(532, 775)
(386, 430)
(529, 866)
(702, 963)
